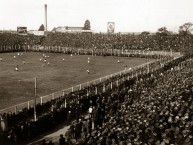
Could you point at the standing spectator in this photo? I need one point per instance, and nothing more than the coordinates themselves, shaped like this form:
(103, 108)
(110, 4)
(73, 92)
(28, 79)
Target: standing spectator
(62, 140)
(44, 142)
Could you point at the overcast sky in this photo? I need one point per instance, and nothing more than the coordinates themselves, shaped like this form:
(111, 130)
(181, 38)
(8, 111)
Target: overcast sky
(128, 15)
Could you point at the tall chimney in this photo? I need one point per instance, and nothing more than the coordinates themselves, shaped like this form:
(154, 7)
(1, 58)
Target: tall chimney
(45, 25)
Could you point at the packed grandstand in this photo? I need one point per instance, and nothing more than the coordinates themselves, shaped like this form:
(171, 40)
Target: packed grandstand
(152, 42)
(153, 107)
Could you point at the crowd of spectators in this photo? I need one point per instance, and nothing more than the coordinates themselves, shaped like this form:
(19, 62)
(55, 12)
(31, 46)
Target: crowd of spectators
(156, 109)
(102, 41)
(119, 41)
(15, 42)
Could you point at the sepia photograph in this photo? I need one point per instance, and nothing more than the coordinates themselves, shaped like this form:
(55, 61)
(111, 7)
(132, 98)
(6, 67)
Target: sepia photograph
(96, 72)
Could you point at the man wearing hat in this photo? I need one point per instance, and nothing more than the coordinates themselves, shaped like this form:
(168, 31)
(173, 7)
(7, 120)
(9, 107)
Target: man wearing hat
(62, 140)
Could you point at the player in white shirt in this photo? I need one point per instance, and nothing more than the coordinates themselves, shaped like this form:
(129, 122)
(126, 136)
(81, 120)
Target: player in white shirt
(17, 68)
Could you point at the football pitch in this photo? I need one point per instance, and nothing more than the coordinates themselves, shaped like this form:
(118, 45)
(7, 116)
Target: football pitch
(54, 72)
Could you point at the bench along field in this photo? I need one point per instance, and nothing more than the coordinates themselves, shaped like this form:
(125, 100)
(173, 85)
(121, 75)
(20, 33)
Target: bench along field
(54, 72)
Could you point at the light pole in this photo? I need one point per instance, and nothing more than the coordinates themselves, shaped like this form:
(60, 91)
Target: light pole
(35, 94)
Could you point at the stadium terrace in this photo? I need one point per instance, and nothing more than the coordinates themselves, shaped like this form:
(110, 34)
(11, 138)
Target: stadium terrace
(146, 105)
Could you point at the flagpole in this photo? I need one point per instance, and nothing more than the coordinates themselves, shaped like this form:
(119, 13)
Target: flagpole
(35, 94)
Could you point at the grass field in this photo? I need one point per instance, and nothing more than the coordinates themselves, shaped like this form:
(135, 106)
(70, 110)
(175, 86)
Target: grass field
(18, 86)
